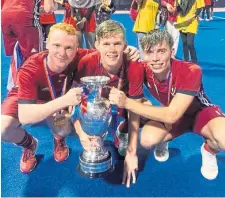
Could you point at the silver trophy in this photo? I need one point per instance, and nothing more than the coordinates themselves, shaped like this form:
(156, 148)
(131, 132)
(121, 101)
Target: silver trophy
(95, 117)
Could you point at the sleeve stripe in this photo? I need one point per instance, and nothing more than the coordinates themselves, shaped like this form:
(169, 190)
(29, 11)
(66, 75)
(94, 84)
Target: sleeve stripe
(136, 97)
(27, 101)
(191, 93)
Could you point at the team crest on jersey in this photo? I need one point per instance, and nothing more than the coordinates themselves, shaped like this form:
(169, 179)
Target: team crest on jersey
(45, 89)
(173, 91)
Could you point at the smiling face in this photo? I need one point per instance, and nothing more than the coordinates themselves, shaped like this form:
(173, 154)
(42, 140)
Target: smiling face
(62, 49)
(158, 57)
(111, 49)
(110, 42)
(157, 52)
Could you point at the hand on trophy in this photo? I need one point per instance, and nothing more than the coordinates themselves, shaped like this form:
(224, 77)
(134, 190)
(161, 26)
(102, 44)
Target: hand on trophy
(132, 53)
(73, 96)
(89, 143)
(117, 98)
(130, 168)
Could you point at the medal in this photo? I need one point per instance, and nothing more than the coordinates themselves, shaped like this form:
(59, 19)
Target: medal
(59, 121)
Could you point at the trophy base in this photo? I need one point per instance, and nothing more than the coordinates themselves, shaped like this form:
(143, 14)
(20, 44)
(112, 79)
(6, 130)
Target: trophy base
(95, 169)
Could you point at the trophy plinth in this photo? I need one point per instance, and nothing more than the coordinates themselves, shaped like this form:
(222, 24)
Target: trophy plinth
(95, 117)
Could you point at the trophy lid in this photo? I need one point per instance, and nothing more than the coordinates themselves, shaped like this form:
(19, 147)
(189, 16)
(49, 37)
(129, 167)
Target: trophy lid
(95, 80)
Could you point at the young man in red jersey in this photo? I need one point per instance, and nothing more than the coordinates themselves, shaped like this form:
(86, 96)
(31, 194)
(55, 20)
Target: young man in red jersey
(177, 85)
(22, 31)
(41, 93)
(109, 60)
(44, 77)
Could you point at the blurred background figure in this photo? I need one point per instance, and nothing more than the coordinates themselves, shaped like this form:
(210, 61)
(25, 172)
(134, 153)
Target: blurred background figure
(206, 9)
(68, 18)
(85, 20)
(21, 31)
(172, 18)
(105, 10)
(146, 19)
(187, 24)
(47, 20)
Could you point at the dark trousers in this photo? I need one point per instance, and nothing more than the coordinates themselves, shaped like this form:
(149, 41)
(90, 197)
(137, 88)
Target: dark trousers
(207, 10)
(46, 29)
(188, 46)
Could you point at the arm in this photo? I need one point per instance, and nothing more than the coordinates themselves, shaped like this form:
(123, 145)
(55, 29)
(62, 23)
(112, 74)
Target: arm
(170, 8)
(132, 53)
(197, 12)
(49, 6)
(113, 6)
(135, 76)
(170, 114)
(34, 113)
(139, 2)
(131, 159)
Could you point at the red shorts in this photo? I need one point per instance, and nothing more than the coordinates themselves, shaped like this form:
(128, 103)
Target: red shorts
(27, 37)
(195, 123)
(10, 104)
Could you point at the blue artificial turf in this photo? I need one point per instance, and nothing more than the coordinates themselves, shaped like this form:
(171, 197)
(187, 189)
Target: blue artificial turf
(179, 176)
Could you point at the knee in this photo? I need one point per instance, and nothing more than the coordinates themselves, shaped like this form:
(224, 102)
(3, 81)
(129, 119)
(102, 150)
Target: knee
(148, 141)
(220, 140)
(190, 45)
(6, 127)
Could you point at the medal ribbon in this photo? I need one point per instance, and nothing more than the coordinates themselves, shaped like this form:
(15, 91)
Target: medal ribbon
(169, 85)
(50, 84)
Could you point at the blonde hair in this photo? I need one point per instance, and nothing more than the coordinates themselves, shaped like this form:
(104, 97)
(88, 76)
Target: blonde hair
(110, 28)
(69, 29)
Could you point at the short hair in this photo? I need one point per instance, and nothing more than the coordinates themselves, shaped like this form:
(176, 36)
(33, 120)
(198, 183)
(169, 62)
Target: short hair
(155, 37)
(110, 28)
(69, 29)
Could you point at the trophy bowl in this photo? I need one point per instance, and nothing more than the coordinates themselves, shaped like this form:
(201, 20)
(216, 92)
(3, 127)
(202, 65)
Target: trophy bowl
(95, 117)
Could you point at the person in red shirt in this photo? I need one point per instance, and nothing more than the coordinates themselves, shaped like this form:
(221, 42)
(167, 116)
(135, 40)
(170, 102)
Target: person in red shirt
(41, 92)
(21, 30)
(177, 85)
(46, 20)
(86, 24)
(42, 85)
(172, 18)
(110, 60)
(208, 4)
(68, 18)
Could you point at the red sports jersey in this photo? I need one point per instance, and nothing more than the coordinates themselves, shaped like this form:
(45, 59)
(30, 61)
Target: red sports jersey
(185, 78)
(90, 65)
(172, 17)
(20, 12)
(46, 18)
(67, 15)
(32, 86)
(32, 81)
(89, 25)
(208, 2)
